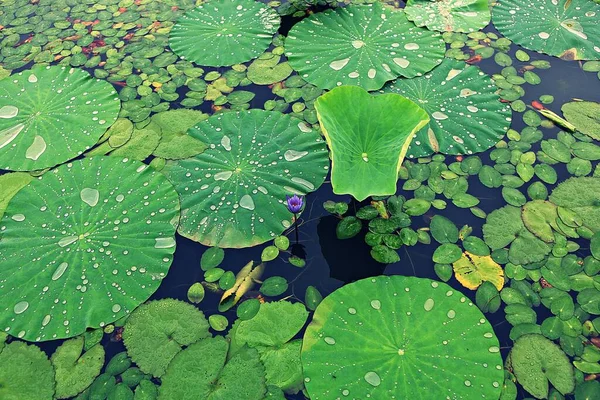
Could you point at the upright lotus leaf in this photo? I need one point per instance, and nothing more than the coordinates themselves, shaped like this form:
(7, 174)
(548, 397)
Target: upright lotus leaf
(466, 113)
(581, 195)
(10, 184)
(158, 330)
(175, 143)
(83, 245)
(362, 45)
(25, 373)
(564, 28)
(367, 139)
(76, 371)
(472, 270)
(233, 194)
(224, 32)
(402, 337)
(535, 360)
(49, 115)
(585, 115)
(449, 15)
(202, 371)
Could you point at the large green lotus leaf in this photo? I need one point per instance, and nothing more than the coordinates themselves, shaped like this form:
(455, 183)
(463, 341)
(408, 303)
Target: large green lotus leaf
(25, 373)
(400, 337)
(233, 194)
(10, 184)
(536, 360)
(76, 371)
(158, 330)
(49, 115)
(224, 32)
(581, 195)
(202, 371)
(84, 245)
(449, 15)
(367, 139)
(585, 115)
(565, 28)
(466, 113)
(364, 45)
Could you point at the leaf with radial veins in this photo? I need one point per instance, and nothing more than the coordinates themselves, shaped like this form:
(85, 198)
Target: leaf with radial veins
(49, 115)
(466, 113)
(400, 337)
(366, 138)
(83, 246)
(449, 15)
(365, 46)
(224, 32)
(564, 28)
(233, 194)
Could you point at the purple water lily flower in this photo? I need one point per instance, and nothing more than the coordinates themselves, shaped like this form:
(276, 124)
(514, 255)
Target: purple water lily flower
(295, 203)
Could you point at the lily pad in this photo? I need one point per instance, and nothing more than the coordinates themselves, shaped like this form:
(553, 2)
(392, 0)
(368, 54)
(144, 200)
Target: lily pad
(233, 194)
(539, 217)
(175, 143)
(49, 115)
(224, 32)
(25, 373)
(581, 195)
(366, 138)
(400, 337)
(472, 270)
(466, 113)
(158, 330)
(449, 15)
(585, 115)
(84, 245)
(11, 184)
(564, 28)
(362, 45)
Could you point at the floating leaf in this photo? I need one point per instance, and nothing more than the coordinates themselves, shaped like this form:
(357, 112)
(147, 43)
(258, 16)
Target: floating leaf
(466, 113)
(218, 322)
(25, 373)
(96, 234)
(75, 371)
(472, 270)
(348, 227)
(502, 227)
(362, 45)
(581, 195)
(175, 143)
(585, 115)
(267, 70)
(443, 230)
(49, 115)
(487, 298)
(253, 172)
(390, 313)
(274, 286)
(11, 184)
(212, 258)
(224, 32)
(248, 309)
(158, 330)
(540, 217)
(366, 158)
(449, 15)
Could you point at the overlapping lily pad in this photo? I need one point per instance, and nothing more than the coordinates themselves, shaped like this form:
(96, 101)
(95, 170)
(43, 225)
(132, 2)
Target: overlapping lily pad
(400, 336)
(25, 373)
(466, 113)
(224, 32)
(49, 115)
(564, 28)
(367, 139)
(449, 15)
(581, 195)
(84, 245)
(365, 46)
(233, 194)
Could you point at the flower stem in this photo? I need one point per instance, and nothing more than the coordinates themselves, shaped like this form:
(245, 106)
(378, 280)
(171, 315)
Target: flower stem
(296, 226)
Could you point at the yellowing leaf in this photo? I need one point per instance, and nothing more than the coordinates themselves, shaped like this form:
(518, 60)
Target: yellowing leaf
(244, 281)
(471, 271)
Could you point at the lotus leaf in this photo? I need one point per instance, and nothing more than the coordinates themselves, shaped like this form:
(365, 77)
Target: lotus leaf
(233, 194)
(585, 115)
(224, 32)
(564, 28)
(49, 115)
(25, 373)
(158, 330)
(202, 371)
(83, 245)
(581, 195)
(400, 336)
(367, 140)
(362, 45)
(472, 270)
(11, 184)
(449, 15)
(466, 113)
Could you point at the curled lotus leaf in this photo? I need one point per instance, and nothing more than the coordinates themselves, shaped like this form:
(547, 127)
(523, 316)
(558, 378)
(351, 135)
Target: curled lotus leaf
(400, 337)
(49, 115)
(449, 15)
(472, 270)
(83, 245)
(25, 373)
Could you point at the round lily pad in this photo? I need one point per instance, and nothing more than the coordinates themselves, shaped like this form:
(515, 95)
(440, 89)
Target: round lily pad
(364, 45)
(49, 115)
(400, 337)
(83, 245)
(224, 32)
(25, 373)
(466, 113)
(564, 28)
(234, 193)
(449, 15)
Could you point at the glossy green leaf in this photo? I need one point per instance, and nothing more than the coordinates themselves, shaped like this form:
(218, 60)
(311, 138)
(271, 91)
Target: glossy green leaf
(449, 15)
